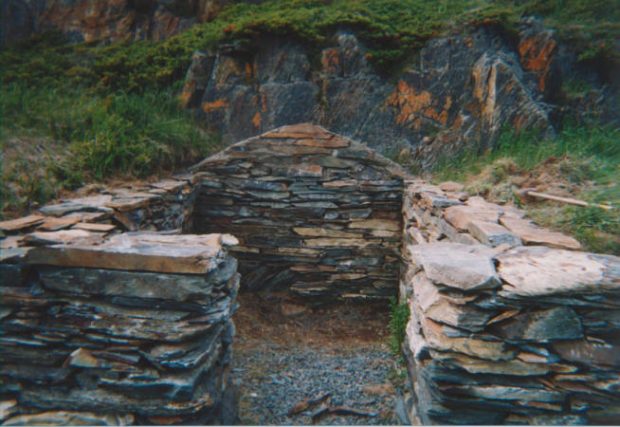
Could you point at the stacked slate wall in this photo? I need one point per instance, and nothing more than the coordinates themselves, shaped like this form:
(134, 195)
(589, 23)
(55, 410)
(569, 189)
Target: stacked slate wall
(134, 329)
(314, 212)
(510, 323)
(159, 206)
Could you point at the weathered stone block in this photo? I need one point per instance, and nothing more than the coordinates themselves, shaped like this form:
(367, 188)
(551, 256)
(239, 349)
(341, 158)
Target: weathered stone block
(463, 267)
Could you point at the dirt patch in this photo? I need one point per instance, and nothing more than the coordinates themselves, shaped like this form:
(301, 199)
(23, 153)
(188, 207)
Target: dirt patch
(281, 319)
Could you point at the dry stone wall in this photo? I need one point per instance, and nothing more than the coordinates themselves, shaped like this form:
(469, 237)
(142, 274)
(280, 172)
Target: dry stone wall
(108, 315)
(131, 329)
(510, 323)
(314, 212)
(102, 325)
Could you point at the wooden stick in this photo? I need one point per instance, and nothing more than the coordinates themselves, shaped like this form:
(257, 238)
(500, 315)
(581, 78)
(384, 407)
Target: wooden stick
(306, 404)
(566, 200)
(340, 410)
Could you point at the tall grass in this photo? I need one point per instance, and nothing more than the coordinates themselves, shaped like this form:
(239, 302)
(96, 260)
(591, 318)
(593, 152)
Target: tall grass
(91, 137)
(527, 150)
(118, 133)
(399, 316)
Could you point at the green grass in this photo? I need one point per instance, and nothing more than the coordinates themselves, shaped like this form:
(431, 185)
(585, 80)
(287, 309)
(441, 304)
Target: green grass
(94, 137)
(588, 157)
(399, 316)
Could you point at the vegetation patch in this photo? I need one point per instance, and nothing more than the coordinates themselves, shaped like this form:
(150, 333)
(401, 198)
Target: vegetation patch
(580, 162)
(62, 137)
(399, 316)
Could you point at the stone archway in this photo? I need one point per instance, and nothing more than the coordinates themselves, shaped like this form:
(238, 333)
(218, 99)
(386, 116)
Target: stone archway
(315, 212)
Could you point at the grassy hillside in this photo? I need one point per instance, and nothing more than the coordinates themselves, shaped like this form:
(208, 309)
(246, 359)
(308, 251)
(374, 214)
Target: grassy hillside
(82, 113)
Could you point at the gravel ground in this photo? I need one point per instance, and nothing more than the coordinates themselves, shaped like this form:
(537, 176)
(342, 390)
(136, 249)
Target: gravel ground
(274, 379)
(280, 361)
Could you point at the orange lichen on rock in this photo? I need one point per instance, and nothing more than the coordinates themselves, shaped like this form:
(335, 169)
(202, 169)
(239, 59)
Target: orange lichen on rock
(536, 54)
(186, 94)
(413, 105)
(218, 104)
(249, 71)
(256, 120)
(519, 122)
(330, 60)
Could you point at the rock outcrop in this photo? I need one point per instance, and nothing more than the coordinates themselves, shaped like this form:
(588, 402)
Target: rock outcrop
(460, 91)
(94, 20)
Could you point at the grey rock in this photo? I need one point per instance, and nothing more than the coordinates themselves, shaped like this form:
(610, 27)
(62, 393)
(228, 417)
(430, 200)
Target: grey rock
(560, 323)
(463, 267)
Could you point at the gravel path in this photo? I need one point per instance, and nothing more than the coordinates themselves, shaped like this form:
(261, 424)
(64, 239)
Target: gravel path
(280, 361)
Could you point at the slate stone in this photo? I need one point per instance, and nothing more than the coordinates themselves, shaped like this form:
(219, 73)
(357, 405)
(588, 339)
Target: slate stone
(436, 339)
(540, 271)
(473, 365)
(87, 281)
(156, 253)
(21, 223)
(492, 234)
(463, 267)
(589, 353)
(534, 235)
(439, 308)
(559, 323)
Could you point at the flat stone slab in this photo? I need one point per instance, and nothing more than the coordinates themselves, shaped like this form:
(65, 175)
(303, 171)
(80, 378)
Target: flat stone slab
(189, 254)
(62, 237)
(89, 226)
(478, 209)
(299, 131)
(21, 223)
(492, 234)
(88, 204)
(531, 234)
(589, 353)
(458, 266)
(55, 224)
(538, 270)
(460, 216)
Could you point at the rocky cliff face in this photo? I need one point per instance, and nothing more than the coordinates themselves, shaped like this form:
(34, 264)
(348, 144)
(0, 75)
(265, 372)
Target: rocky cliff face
(95, 20)
(459, 90)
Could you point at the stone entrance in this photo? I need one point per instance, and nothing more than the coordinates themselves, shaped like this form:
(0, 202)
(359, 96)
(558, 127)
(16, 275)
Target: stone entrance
(315, 213)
